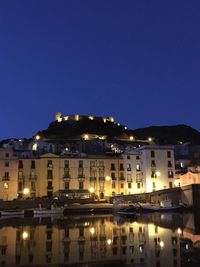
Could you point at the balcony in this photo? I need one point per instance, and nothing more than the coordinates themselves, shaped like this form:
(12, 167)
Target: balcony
(81, 176)
(101, 178)
(129, 169)
(66, 176)
(49, 187)
(93, 179)
(5, 178)
(50, 166)
(49, 177)
(33, 177)
(122, 178)
(129, 180)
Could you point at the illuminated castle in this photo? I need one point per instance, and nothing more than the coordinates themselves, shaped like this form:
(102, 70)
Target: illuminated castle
(77, 117)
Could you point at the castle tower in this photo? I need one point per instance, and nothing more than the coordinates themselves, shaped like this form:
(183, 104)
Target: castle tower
(58, 116)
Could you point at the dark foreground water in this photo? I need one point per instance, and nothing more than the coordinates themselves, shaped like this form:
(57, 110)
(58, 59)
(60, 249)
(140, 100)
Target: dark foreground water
(88, 241)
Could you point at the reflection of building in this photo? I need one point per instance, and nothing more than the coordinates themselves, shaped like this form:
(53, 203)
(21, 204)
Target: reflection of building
(90, 240)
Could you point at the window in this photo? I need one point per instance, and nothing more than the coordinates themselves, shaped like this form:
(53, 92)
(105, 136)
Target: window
(128, 167)
(122, 186)
(137, 167)
(138, 185)
(49, 164)
(80, 165)
(170, 184)
(121, 167)
(137, 157)
(170, 174)
(169, 154)
(113, 185)
(128, 157)
(7, 155)
(92, 163)
(101, 163)
(113, 176)
(33, 186)
(20, 186)
(50, 185)
(6, 175)
(153, 174)
(32, 164)
(152, 154)
(66, 185)
(169, 164)
(80, 185)
(112, 166)
(153, 164)
(20, 164)
(129, 185)
(49, 174)
(6, 163)
(66, 164)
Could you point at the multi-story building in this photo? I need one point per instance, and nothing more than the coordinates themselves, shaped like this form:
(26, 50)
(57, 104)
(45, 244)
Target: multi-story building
(157, 164)
(8, 174)
(146, 169)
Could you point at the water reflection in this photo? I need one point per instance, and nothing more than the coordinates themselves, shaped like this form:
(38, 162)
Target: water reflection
(151, 240)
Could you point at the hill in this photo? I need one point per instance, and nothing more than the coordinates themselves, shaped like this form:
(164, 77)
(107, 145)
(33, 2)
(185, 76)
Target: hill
(169, 134)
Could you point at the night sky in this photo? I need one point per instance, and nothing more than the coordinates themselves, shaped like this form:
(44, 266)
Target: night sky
(135, 60)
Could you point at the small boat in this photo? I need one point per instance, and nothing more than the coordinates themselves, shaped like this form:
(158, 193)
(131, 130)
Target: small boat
(54, 210)
(12, 213)
(165, 206)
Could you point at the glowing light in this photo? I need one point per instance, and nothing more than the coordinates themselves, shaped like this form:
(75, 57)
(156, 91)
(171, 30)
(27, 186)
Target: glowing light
(66, 118)
(26, 191)
(25, 235)
(118, 124)
(77, 117)
(5, 185)
(92, 230)
(34, 147)
(149, 139)
(91, 189)
(179, 231)
(37, 137)
(86, 136)
(125, 128)
(108, 178)
(131, 138)
(104, 120)
(66, 149)
(162, 244)
(158, 173)
(109, 241)
(91, 117)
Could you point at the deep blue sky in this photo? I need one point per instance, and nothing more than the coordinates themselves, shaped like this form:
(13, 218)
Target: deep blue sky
(136, 60)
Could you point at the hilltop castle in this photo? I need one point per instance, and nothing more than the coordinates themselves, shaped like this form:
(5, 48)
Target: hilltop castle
(77, 117)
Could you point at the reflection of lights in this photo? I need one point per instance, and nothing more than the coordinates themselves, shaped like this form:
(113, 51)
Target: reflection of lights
(162, 244)
(109, 241)
(26, 191)
(187, 246)
(179, 231)
(91, 189)
(25, 235)
(92, 231)
(108, 178)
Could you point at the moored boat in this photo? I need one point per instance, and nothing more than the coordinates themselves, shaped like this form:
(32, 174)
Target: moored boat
(54, 210)
(164, 206)
(13, 213)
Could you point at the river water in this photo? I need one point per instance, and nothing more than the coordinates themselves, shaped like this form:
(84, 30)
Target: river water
(105, 240)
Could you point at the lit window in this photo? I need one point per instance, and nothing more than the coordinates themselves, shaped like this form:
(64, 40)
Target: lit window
(5, 185)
